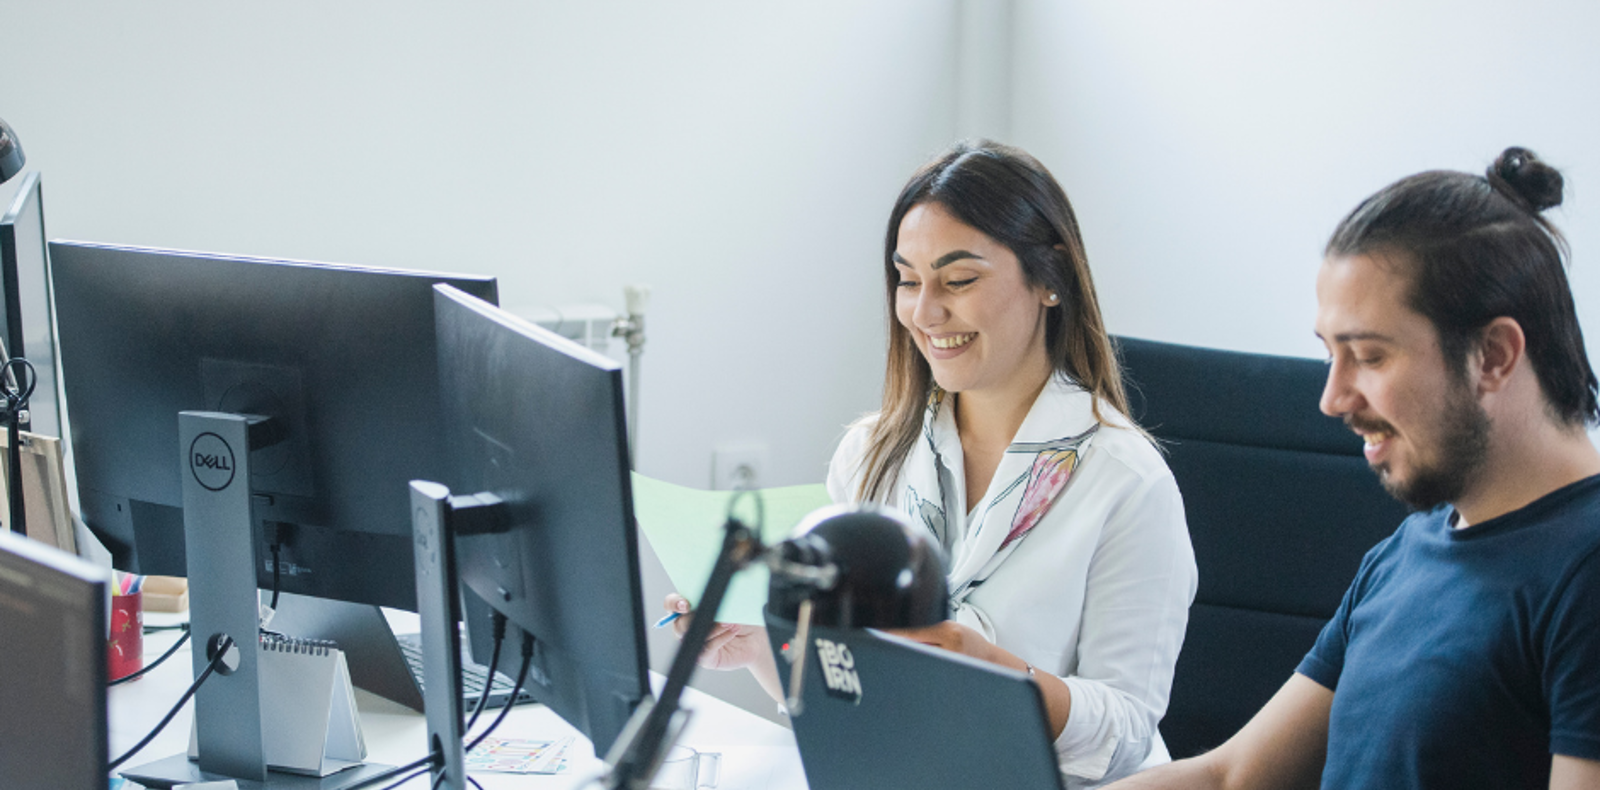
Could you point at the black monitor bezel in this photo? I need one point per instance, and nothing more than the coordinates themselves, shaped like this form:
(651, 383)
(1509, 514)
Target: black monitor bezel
(141, 520)
(492, 362)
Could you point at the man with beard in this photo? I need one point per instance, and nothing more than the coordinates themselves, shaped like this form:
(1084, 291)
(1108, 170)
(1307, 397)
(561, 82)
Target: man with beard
(1466, 652)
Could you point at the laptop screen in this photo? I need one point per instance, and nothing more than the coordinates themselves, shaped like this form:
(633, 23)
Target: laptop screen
(884, 712)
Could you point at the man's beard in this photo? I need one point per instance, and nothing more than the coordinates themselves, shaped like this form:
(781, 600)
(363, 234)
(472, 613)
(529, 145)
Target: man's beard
(1460, 452)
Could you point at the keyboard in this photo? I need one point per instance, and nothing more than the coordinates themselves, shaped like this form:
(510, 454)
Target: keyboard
(473, 675)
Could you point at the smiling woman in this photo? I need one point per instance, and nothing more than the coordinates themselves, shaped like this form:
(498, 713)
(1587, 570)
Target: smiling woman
(976, 320)
(1004, 434)
(1005, 204)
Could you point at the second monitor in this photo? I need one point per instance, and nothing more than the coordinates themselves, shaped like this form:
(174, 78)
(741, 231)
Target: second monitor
(535, 435)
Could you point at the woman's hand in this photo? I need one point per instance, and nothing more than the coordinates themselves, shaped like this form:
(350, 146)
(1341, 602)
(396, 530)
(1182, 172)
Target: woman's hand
(956, 638)
(730, 645)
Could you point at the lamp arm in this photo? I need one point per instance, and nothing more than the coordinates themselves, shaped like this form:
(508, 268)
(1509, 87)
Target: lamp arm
(655, 725)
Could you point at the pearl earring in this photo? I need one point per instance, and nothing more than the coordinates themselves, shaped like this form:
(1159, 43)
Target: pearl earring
(1053, 297)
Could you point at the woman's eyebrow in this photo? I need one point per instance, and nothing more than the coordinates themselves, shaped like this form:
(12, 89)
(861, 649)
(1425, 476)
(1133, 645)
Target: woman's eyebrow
(944, 260)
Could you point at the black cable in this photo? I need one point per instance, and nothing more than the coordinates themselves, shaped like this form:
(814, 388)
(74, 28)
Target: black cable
(422, 763)
(404, 779)
(17, 395)
(527, 649)
(155, 629)
(139, 673)
(522, 677)
(222, 650)
(499, 621)
(470, 780)
(277, 565)
(494, 668)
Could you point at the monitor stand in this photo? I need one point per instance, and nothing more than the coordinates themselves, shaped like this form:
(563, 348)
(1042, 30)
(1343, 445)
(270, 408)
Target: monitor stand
(180, 770)
(436, 519)
(214, 450)
(438, 595)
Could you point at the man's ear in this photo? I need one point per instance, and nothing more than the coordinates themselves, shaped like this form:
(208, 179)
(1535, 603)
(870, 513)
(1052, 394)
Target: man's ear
(1501, 348)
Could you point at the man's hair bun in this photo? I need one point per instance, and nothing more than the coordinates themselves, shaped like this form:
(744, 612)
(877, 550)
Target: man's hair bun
(1521, 175)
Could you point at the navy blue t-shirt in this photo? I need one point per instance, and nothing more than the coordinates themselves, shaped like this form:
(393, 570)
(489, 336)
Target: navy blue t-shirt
(1465, 658)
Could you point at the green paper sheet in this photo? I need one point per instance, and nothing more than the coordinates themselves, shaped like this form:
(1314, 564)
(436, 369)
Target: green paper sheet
(684, 526)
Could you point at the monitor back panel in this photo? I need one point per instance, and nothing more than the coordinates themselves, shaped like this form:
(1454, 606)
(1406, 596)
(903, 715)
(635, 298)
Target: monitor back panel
(342, 356)
(538, 420)
(882, 712)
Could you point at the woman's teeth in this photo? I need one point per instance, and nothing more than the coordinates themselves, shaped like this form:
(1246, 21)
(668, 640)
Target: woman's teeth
(953, 341)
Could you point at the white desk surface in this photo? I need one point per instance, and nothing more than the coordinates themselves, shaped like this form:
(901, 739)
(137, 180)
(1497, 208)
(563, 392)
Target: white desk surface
(756, 754)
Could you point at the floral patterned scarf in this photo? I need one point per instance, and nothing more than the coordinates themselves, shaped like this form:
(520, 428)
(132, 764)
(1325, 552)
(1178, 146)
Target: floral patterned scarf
(1036, 468)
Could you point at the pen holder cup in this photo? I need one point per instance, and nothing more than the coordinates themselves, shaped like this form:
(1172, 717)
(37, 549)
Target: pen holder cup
(687, 769)
(125, 647)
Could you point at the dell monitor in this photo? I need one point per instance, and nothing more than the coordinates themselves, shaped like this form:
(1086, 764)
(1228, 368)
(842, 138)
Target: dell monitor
(316, 389)
(536, 423)
(341, 357)
(25, 313)
(52, 668)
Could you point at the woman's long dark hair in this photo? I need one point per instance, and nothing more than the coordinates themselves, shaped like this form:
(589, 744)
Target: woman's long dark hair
(1010, 197)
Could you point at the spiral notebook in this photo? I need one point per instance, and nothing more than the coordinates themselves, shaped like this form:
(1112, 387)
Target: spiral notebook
(309, 723)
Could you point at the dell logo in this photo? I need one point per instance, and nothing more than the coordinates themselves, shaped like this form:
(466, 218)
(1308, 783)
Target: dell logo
(211, 461)
(839, 670)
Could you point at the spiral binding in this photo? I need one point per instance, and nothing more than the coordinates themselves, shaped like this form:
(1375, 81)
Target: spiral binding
(278, 643)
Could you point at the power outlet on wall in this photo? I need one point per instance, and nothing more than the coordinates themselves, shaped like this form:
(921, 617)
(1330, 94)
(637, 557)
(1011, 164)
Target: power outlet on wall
(733, 465)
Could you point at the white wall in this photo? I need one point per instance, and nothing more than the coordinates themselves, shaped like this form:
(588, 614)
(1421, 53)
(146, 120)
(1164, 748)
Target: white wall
(739, 158)
(1210, 148)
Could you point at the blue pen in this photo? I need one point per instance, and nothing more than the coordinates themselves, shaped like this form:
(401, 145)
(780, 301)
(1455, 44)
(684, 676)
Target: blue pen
(662, 623)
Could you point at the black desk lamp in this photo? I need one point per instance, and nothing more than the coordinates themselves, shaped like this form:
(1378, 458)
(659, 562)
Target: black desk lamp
(18, 374)
(845, 566)
(886, 573)
(11, 158)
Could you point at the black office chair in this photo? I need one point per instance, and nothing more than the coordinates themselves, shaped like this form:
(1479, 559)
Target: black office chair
(1281, 508)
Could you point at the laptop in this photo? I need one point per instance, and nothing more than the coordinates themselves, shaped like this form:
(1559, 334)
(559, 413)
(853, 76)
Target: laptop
(473, 674)
(384, 663)
(884, 712)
